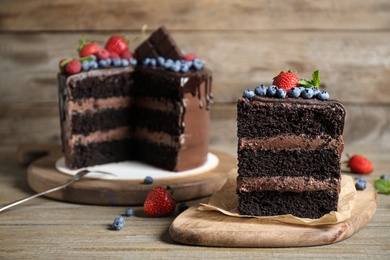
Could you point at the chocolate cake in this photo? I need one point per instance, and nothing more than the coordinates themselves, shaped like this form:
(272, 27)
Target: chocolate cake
(289, 152)
(150, 112)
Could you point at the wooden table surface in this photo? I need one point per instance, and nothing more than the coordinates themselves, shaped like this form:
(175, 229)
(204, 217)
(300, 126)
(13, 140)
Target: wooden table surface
(46, 228)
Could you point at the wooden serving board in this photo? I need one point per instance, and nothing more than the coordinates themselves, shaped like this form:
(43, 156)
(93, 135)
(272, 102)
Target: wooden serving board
(212, 228)
(43, 175)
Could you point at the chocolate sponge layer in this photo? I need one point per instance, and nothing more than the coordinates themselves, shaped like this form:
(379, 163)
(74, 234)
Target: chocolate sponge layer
(320, 164)
(300, 204)
(265, 117)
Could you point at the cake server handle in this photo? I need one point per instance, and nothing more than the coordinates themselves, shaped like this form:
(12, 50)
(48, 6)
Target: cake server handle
(75, 177)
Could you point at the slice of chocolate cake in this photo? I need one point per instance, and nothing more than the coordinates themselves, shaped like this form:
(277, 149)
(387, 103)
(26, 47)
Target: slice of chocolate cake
(156, 111)
(289, 151)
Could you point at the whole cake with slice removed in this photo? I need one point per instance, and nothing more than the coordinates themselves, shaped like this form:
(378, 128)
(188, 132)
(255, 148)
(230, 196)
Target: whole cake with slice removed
(152, 105)
(289, 149)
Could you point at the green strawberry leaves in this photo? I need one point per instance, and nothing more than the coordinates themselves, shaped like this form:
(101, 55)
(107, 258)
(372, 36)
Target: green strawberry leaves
(382, 186)
(315, 81)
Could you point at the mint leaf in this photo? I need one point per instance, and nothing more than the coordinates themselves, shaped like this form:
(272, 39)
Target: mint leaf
(315, 81)
(382, 186)
(304, 82)
(316, 78)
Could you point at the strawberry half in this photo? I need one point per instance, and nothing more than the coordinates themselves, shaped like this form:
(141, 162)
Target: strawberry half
(286, 80)
(116, 44)
(360, 164)
(159, 202)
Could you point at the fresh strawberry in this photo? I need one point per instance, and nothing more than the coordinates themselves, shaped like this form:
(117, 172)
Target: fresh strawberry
(360, 164)
(73, 67)
(190, 56)
(87, 48)
(116, 44)
(103, 54)
(159, 202)
(286, 80)
(126, 55)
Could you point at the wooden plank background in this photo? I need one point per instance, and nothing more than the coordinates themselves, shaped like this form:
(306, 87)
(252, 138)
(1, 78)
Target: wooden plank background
(244, 42)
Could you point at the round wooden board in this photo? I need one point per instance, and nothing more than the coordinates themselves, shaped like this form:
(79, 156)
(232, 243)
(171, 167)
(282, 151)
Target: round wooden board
(42, 175)
(212, 228)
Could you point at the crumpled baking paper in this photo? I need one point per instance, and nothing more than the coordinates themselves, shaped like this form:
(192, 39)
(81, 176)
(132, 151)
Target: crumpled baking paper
(225, 201)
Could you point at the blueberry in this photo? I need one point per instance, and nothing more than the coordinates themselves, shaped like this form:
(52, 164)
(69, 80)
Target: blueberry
(249, 94)
(307, 93)
(271, 90)
(103, 63)
(323, 95)
(152, 62)
(146, 62)
(197, 64)
(359, 178)
(85, 65)
(109, 61)
(93, 64)
(182, 207)
(93, 57)
(168, 63)
(148, 180)
(184, 68)
(116, 62)
(261, 90)
(281, 93)
(161, 61)
(302, 88)
(294, 92)
(133, 61)
(129, 212)
(175, 67)
(360, 185)
(125, 62)
(315, 90)
(118, 223)
(385, 177)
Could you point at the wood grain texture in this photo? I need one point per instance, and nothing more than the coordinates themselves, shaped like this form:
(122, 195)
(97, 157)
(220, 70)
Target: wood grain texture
(211, 228)
(45, 228)
(87, 15)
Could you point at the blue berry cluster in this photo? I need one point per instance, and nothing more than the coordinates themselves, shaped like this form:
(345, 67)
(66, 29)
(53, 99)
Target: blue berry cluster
(94, 63)
(296, 92)
(361, 183)
(118, 223)
(174, 65)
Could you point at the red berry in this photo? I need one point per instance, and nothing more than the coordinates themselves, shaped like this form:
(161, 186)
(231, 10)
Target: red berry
(103, 54)
(190, 56)
(360, 164)
(88, 49)
(114, 55)
(116, 44)
(62, 68)
(286, 80)
(159, 203)
(126, 55)
(73, 67)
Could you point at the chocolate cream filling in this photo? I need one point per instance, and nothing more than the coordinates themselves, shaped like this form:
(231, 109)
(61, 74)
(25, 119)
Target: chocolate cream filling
(286, 184)
(291, 142)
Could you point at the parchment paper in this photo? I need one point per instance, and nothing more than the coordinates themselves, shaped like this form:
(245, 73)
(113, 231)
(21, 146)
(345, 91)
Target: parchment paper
(226, 201)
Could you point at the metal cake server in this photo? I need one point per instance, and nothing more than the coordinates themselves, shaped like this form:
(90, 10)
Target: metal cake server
(75, 178)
